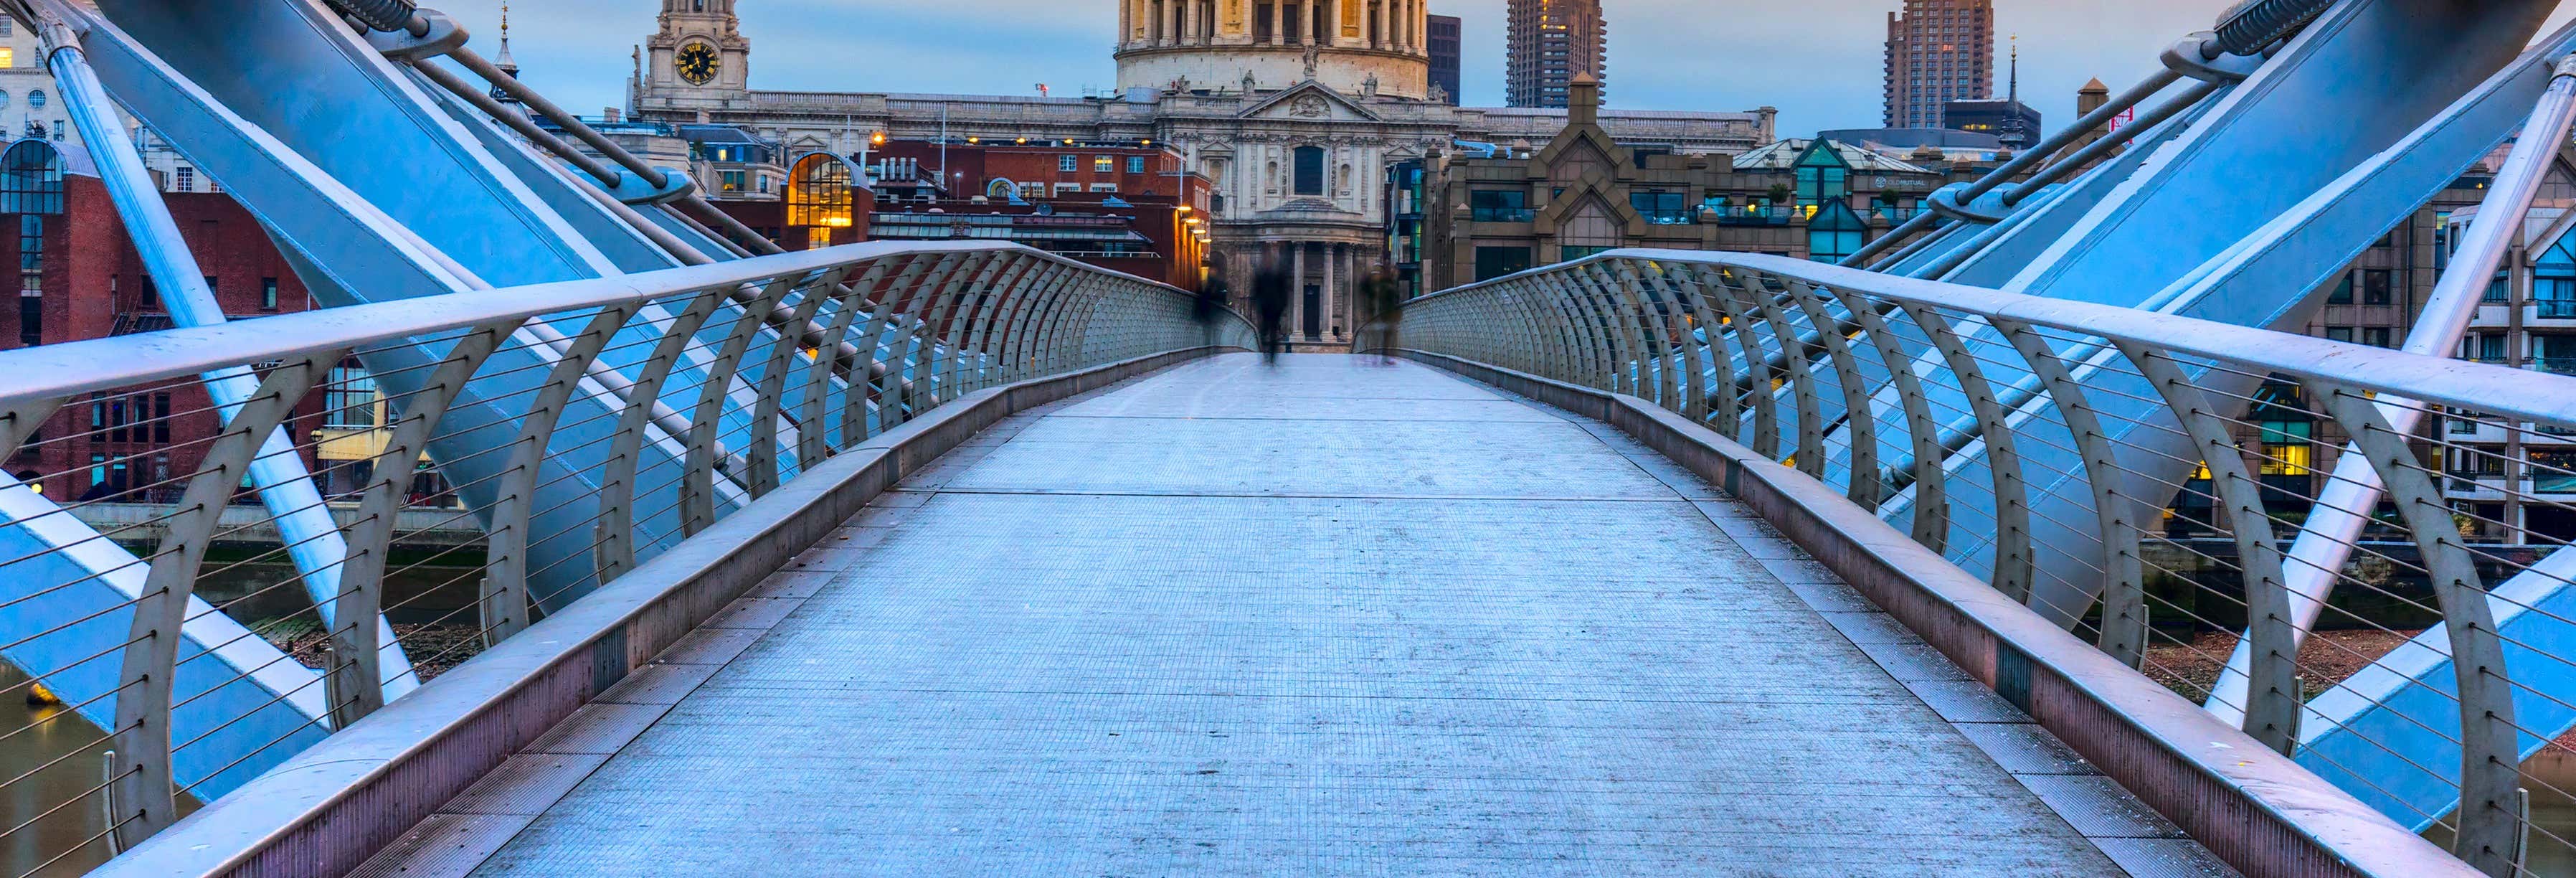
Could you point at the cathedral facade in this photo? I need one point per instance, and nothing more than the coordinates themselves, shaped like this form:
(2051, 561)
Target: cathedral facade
(1293, 109)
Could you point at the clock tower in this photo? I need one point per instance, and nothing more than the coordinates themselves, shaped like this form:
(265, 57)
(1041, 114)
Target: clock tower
(697, 61)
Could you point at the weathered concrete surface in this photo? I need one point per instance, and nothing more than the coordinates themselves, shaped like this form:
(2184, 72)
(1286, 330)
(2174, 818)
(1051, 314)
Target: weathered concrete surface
(1333, 618)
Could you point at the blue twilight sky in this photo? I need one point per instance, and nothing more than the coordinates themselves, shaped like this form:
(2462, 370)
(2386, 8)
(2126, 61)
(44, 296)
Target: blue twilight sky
(1816, 60)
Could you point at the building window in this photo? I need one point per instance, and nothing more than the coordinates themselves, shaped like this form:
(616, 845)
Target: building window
(2342, 294)
(1571, 252)
(184, 179)
(268, 294)
(349, 400)
(31, 318)
(2376, 336)
(1068, 164)
(8, 57)
(1660, 208)
(2553, 280)
(819, 193)
(733, 181)
(1499, 206)
(1104, 164)
(1310, 170)
(1104, 187)
(1822, 175)
(2375, 286)
(2339, 333)
(1494, 262)
(1135, 164)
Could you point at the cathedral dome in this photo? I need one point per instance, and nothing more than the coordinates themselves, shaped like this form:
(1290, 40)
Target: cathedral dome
(1351, 46)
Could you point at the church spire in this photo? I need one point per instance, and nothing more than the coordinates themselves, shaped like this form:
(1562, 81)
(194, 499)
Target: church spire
(505, 62)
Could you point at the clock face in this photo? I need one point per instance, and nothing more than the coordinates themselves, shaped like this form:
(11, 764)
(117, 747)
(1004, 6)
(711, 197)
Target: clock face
(696, 63)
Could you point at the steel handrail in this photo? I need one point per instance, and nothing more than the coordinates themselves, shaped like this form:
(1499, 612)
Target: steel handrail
(59, 371)
(2430, 379)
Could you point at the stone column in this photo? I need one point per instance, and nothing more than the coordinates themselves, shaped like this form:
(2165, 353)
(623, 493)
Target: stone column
(1278, 16)
(1332, 289)
(1297, 289)
(1384, 35)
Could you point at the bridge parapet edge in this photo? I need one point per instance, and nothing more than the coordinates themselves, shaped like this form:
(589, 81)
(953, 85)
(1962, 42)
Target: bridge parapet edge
(328, 809)
(2250, 806)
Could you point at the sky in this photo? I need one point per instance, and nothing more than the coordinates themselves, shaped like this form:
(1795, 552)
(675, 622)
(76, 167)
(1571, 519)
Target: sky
(1818, 61)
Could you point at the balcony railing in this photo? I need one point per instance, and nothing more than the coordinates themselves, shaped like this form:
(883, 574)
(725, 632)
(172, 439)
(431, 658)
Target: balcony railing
(1502, 214)
(2556, 309)
(1749, 216)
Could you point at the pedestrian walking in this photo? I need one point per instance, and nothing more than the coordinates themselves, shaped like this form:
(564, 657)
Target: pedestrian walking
(1384, 298)
(1270, 304)
(1211, 302)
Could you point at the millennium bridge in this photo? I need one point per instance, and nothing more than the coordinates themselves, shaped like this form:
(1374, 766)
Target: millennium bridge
(898, 558)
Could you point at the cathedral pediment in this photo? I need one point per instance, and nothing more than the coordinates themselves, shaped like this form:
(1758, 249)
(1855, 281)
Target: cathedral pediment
(1307, 209)
(1310, 102)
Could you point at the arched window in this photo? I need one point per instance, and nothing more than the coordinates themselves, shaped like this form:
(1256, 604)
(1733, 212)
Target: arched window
(31, 178)
(819, 196)
(1310, 170)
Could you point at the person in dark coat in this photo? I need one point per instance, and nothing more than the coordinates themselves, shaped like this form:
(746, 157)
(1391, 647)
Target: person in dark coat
(1270, 303)
(1384, 299)
(1211, 302)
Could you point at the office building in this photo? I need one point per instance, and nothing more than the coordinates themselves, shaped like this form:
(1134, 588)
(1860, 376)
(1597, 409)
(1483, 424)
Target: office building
(1938, 51)
(1447, 32)
(1549, 42)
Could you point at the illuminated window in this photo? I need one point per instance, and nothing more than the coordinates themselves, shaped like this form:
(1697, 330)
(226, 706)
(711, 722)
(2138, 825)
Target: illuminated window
(1104, 164)
(8, 57)
(2289, 460)
(819, 193)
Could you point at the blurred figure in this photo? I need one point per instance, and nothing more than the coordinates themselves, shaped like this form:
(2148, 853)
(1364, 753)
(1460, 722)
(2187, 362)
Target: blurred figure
(1384, 298)
(1211, 301)
(1270, 284)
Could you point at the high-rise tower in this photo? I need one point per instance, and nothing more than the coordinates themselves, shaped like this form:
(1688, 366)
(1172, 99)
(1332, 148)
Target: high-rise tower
(1447, 33)
(1551, 41)
(1938, 51)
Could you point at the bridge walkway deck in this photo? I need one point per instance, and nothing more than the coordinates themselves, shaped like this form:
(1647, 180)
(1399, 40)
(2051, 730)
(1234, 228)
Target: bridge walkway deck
(1333, 617)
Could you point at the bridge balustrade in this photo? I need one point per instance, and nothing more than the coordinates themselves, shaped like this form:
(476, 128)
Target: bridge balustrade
(2041, 444)
(184, 645)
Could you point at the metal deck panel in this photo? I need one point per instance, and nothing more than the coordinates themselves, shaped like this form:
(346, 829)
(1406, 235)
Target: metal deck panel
(1333, 674)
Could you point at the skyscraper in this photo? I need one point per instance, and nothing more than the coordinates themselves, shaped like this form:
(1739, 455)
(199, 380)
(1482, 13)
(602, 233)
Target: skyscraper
(1446, 31)
(1551, 41)
(1938, 51)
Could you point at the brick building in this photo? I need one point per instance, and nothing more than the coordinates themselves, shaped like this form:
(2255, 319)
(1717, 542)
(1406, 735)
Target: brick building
(1121, 206)
(81, 278)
